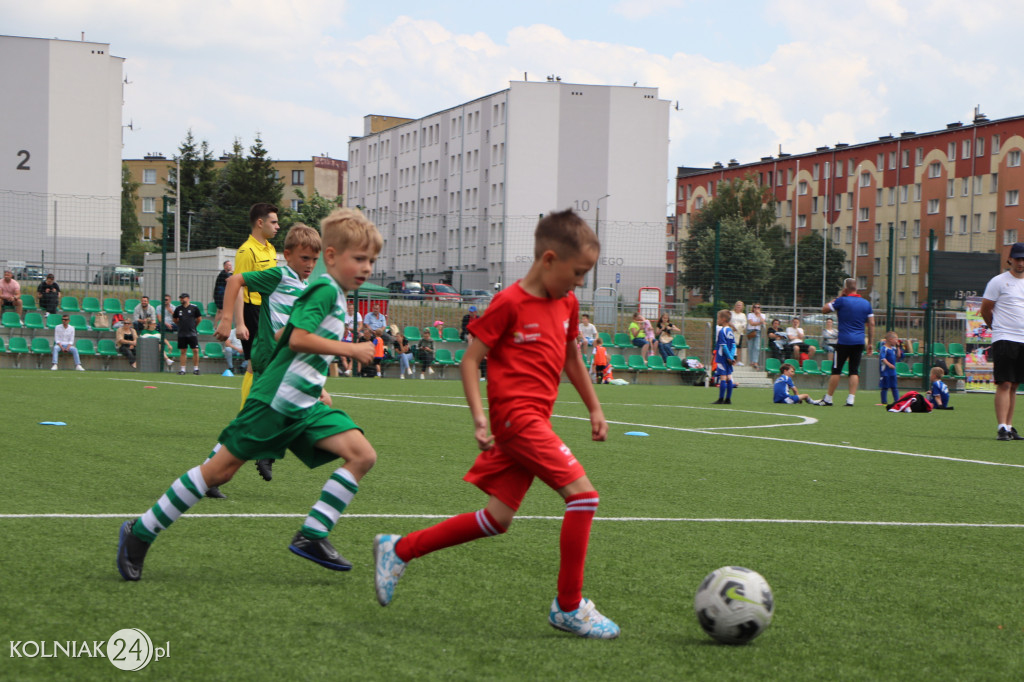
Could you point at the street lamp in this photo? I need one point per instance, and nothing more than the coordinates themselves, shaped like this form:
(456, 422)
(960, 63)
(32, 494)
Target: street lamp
(597, 233)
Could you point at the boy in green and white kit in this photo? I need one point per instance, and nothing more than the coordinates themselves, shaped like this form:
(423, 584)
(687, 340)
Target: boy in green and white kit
(284, 409)
(278, 288)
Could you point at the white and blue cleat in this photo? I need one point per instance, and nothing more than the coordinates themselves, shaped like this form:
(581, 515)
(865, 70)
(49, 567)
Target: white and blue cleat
(389, 568)
(586, 621)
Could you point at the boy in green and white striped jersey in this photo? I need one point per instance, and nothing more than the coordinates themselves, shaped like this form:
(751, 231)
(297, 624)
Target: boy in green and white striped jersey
(285, 411)
(278, 288)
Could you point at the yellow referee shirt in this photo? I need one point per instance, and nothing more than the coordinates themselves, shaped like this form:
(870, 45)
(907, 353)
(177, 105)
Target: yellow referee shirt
(254, 256)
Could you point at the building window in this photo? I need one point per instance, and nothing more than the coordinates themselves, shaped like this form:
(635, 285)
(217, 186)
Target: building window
(900, 299)
(917, 229)
(892, 196)
(933, 206)
(950, 187)
(149, 204)
(915, 264)
(864, 215)
(979, 146)
(977, 184)
(919, 156)
(862, 249)
(951, 151)
(906, 158)
(992, 221)
(865, 179)
(149, 174)
(903, 194)
(892, 160)
(995, 145)
(670, 267)
(963, 224)
(1010, 237)
(878, 197)
(801, 220)
(913, 299)
(1012, 197)
(698, 203)
(296, 204)
(298, 177)
(994, 187)
(880, 162)
(901, 265)
(849, 235)
(917, 192)
(671, 246)
(976, 223)
(814, 172)
(1013, 158)
(802, 188)
(934, 169)
(965, 187)
(878, 232)
(878, 267)
(814, 204)
(949, 224)
(965, 151)
(903, 229)
(862, 282)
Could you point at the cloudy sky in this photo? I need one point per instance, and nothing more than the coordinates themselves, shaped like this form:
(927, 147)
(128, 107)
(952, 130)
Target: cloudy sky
(748, 75)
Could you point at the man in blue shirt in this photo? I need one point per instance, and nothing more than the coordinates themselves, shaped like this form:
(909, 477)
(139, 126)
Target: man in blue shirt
(855, 320)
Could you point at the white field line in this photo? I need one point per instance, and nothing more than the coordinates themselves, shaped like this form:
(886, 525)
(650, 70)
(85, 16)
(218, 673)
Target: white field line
(627, 519)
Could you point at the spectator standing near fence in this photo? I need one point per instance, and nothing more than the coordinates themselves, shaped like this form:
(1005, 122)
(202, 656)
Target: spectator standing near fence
(856, 320)
(219, 286)
(48, 293)
(64, 340)
(738, 322)
(1002, 308)
(755, 324)
(187, 317)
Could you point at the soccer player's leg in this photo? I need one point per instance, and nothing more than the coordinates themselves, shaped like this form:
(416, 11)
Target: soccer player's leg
(138, 534)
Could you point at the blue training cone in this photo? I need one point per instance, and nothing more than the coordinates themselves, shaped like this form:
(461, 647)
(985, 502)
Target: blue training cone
(227, 373)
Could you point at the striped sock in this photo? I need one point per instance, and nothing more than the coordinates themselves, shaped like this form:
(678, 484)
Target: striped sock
(337, 494)
(579, 515)
(454, 531)
(183, 494)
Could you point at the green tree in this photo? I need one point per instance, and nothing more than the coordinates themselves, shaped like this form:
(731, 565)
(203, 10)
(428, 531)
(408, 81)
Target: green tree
(809, 272)
(311, 211)
(746, 199)
(744, 264)
(131, 231)
(198, 182)
(244, 181)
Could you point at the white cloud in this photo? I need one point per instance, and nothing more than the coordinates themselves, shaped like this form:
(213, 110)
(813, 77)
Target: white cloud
(639, 9)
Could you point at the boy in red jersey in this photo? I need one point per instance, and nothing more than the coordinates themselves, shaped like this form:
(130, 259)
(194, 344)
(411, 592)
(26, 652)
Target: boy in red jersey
(529, 336)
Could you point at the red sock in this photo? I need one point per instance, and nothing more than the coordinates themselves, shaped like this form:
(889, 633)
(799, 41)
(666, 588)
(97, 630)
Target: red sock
(453, 531)
(579, 515)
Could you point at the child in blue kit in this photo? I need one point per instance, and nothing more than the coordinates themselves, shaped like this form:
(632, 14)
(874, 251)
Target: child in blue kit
(725, 356)
(888, 355)
(785, 390)
(938, 394)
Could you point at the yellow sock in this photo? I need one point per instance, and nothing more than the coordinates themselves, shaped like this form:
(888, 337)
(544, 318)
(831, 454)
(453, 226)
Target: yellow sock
(246, 386)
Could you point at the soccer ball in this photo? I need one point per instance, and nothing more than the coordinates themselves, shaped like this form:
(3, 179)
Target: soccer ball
(734, 604)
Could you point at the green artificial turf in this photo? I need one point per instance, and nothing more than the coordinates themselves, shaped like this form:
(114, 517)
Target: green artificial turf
(891, 541)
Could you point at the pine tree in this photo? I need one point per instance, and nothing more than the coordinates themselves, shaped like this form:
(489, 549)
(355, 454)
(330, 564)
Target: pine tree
(131, 231)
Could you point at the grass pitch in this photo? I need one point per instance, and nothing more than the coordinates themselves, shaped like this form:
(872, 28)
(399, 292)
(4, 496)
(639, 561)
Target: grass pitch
(891, 541)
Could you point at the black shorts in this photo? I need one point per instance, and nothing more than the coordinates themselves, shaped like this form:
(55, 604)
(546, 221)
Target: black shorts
(851, 352)
(1007, 362)
(188, 342)
(251, 317)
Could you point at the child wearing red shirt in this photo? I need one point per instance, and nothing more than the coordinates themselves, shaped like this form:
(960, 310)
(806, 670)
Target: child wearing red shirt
(529, 336)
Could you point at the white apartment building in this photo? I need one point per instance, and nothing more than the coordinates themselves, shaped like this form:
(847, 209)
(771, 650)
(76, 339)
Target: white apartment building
(60, 181)
(457, 194)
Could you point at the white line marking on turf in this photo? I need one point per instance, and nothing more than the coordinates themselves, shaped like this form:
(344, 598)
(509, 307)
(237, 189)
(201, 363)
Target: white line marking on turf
(617, 519)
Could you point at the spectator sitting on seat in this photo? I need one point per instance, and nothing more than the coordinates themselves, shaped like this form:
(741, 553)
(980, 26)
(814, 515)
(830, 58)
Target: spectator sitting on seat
(797, 345)
(48, 292)
(777, 340)
(425, 350)
(168, 315)
(231, 346)
(64, 340)
(666, 332)
(404, 353)
(126, 339)
(829, 338)
(10, 293)
(636, 331)
(144, 316)
(377, 322)
(469, 317)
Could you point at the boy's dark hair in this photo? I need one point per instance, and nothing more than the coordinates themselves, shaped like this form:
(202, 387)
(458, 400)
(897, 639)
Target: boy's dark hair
(785, 366)
(260, 211)
(565, 233)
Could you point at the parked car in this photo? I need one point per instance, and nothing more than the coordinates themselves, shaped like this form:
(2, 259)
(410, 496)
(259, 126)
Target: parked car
(441, 292)
(117, 274)
(411, 290)
(476, 295)
(29, 272)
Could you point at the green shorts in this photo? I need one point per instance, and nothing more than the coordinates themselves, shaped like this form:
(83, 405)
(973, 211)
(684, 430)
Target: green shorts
(259, 432)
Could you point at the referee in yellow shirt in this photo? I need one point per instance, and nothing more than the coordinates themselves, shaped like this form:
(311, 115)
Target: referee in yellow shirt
(257, 253)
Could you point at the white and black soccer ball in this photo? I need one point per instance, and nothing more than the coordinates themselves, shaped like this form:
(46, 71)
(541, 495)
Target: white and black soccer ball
(734, 604)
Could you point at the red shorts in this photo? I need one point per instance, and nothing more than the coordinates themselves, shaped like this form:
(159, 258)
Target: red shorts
(507, 469)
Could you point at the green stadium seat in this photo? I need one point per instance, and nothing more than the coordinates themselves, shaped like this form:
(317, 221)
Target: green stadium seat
(18, 344)
(205, 328)
(679, 342)
(129, 305)
(85, 347)
(917, 370)
(458, 355)
(91, 305)
(637, 364)
(811, 369)
(618, 362)
(605, 337)
(28, 302)
(53, 320)
(675, 364)
(443, 357)
(78, 322)
(826, 367)
(214, 351)
(34, 321)
(772, 365)
(813, 342)
(2, 349)
(903, 371)
(412, 334)
(41, 346)
(621, 340)
(451, 335)
(939, 350)
(69, 304)
(106, 347)
(586, 359)
(956, 350)
(656, 364)
(211, 308)
(435, 335)
(112, 306)
(11, 320)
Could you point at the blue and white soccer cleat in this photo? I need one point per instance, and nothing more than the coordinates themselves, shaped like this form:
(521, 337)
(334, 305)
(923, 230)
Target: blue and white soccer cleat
(389, 567)
(586, 621)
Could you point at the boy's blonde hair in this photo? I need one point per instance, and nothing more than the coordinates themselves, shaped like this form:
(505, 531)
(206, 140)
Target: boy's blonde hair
(565, 233)
(346, 228)
(724, 314)
(301, 234)
(891, 335)
(938, 372)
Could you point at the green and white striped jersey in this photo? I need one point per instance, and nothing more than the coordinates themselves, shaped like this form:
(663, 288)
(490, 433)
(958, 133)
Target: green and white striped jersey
(278, 288)
(292, 381)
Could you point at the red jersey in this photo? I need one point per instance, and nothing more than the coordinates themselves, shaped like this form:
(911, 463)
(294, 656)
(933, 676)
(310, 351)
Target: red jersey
(527, 337)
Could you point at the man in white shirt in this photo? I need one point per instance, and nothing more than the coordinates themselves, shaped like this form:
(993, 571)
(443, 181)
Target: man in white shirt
(797, 345)
(64, 340)
(144, 316)
(1002, 308)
